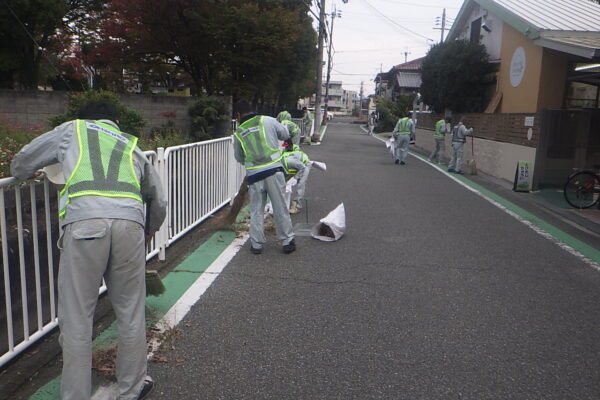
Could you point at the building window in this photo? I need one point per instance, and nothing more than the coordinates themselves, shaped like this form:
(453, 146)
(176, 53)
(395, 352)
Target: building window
(475, 30)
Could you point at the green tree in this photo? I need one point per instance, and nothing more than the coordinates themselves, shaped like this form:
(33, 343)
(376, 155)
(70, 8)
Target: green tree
(248, 49)
(27, 29)
(390, 111)
(456, 75)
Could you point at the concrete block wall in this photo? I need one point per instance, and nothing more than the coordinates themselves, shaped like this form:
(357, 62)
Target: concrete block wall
(498, 159)
(34, 108)
(31, 108)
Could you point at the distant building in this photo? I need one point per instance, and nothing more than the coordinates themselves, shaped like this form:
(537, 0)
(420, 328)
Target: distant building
(400, 80)
(338, 99)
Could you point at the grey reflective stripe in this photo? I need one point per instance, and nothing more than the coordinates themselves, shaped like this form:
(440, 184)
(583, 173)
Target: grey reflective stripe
(95, 155)
(103, 185)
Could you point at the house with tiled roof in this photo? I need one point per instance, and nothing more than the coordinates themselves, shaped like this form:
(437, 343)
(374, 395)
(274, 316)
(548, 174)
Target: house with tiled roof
(402, 79)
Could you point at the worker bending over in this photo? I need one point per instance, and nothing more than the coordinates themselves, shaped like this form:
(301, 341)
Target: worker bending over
(296, 165)
(256, 145)
(293, 129)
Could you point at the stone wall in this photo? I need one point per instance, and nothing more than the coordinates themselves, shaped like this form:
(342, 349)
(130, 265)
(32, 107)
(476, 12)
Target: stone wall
(31, 108)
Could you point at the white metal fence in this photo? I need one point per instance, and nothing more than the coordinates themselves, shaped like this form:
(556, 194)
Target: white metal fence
(198, 178)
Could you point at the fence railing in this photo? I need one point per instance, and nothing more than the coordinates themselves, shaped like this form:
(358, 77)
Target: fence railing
(197, 178)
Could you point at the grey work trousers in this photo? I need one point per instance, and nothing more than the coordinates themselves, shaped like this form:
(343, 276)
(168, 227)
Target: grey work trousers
(458, 150)
(90, 250)
(401, 150)
(300, 189)
(438, 150)
(274, 187)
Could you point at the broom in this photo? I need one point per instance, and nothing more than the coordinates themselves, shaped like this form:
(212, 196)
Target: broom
(154, 286)
(471, 163)
(226, 221)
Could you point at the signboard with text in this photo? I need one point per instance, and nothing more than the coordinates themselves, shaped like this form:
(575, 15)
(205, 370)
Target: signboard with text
(522, 181)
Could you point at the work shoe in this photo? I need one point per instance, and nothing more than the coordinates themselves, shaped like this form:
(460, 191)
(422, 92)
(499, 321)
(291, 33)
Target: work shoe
(290, 247)
(294, 208)
(146, 388)
(255, 250)
(396, 162)
(459, 172)
(451, 170)
(402, 163)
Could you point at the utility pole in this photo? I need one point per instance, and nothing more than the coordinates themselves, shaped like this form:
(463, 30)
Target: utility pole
(406, 53)
(317, 122)
(335, 13)
(360, 96)
(443, 23)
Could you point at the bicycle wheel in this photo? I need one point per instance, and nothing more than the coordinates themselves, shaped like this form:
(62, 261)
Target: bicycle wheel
(582, 190)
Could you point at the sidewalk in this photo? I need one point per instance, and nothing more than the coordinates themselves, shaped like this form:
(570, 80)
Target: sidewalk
(547, 201)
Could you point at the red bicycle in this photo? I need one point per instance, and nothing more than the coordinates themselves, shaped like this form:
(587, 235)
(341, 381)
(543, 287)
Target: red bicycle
(582, 189)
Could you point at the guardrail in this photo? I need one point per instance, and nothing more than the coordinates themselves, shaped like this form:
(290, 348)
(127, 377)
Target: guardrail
(198, 178)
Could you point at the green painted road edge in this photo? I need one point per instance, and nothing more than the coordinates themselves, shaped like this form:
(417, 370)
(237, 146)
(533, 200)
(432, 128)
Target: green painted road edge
(176, 283)
(585, 249)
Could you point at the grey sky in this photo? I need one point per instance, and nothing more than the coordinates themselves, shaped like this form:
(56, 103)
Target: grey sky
(373, 35)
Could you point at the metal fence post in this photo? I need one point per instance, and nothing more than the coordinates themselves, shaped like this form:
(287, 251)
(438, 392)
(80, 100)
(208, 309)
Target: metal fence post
(161, 238)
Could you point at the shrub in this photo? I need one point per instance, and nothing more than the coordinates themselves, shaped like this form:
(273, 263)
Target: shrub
(166, 135)
(206, 113)
(130, 121)
(389, 111)
(13, 136)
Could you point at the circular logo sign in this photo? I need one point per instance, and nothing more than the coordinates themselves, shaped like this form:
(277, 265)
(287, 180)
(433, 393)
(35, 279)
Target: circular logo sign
(517, 67)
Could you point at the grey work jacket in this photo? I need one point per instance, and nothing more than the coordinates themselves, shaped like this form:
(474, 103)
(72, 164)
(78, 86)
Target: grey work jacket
(60, 145)
(460, 132)
(274, 132)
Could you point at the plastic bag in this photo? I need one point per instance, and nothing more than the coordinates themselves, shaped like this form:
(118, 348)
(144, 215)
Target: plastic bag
(332, 227)
(319, 165)
(390, 145)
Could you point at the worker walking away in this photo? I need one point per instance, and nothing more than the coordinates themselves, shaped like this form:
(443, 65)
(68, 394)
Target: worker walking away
(256, 145)
(296, 165)
(442, 127)
(294, 130)
(101, 213)
(459, 133)
(372, 122)
(401, 133)
(307, 121)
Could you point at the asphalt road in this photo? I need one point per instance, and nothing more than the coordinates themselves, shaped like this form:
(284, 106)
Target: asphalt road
(433, 293)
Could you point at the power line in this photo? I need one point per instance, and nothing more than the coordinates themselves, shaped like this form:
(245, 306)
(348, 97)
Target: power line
(391, 21)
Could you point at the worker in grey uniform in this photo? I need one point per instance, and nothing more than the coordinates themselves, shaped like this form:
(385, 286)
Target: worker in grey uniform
(459, 133)
(256, 145)
(442, 127)
(296, 165)
(307, 121)
(101, 212)
(402, 132)
(285, 118)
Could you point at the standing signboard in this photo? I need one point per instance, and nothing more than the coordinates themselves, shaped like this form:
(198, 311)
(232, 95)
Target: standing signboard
(522, 181)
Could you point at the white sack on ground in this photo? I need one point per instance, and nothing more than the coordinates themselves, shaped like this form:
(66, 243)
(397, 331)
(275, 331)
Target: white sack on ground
(332, 227)
(319, 165)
